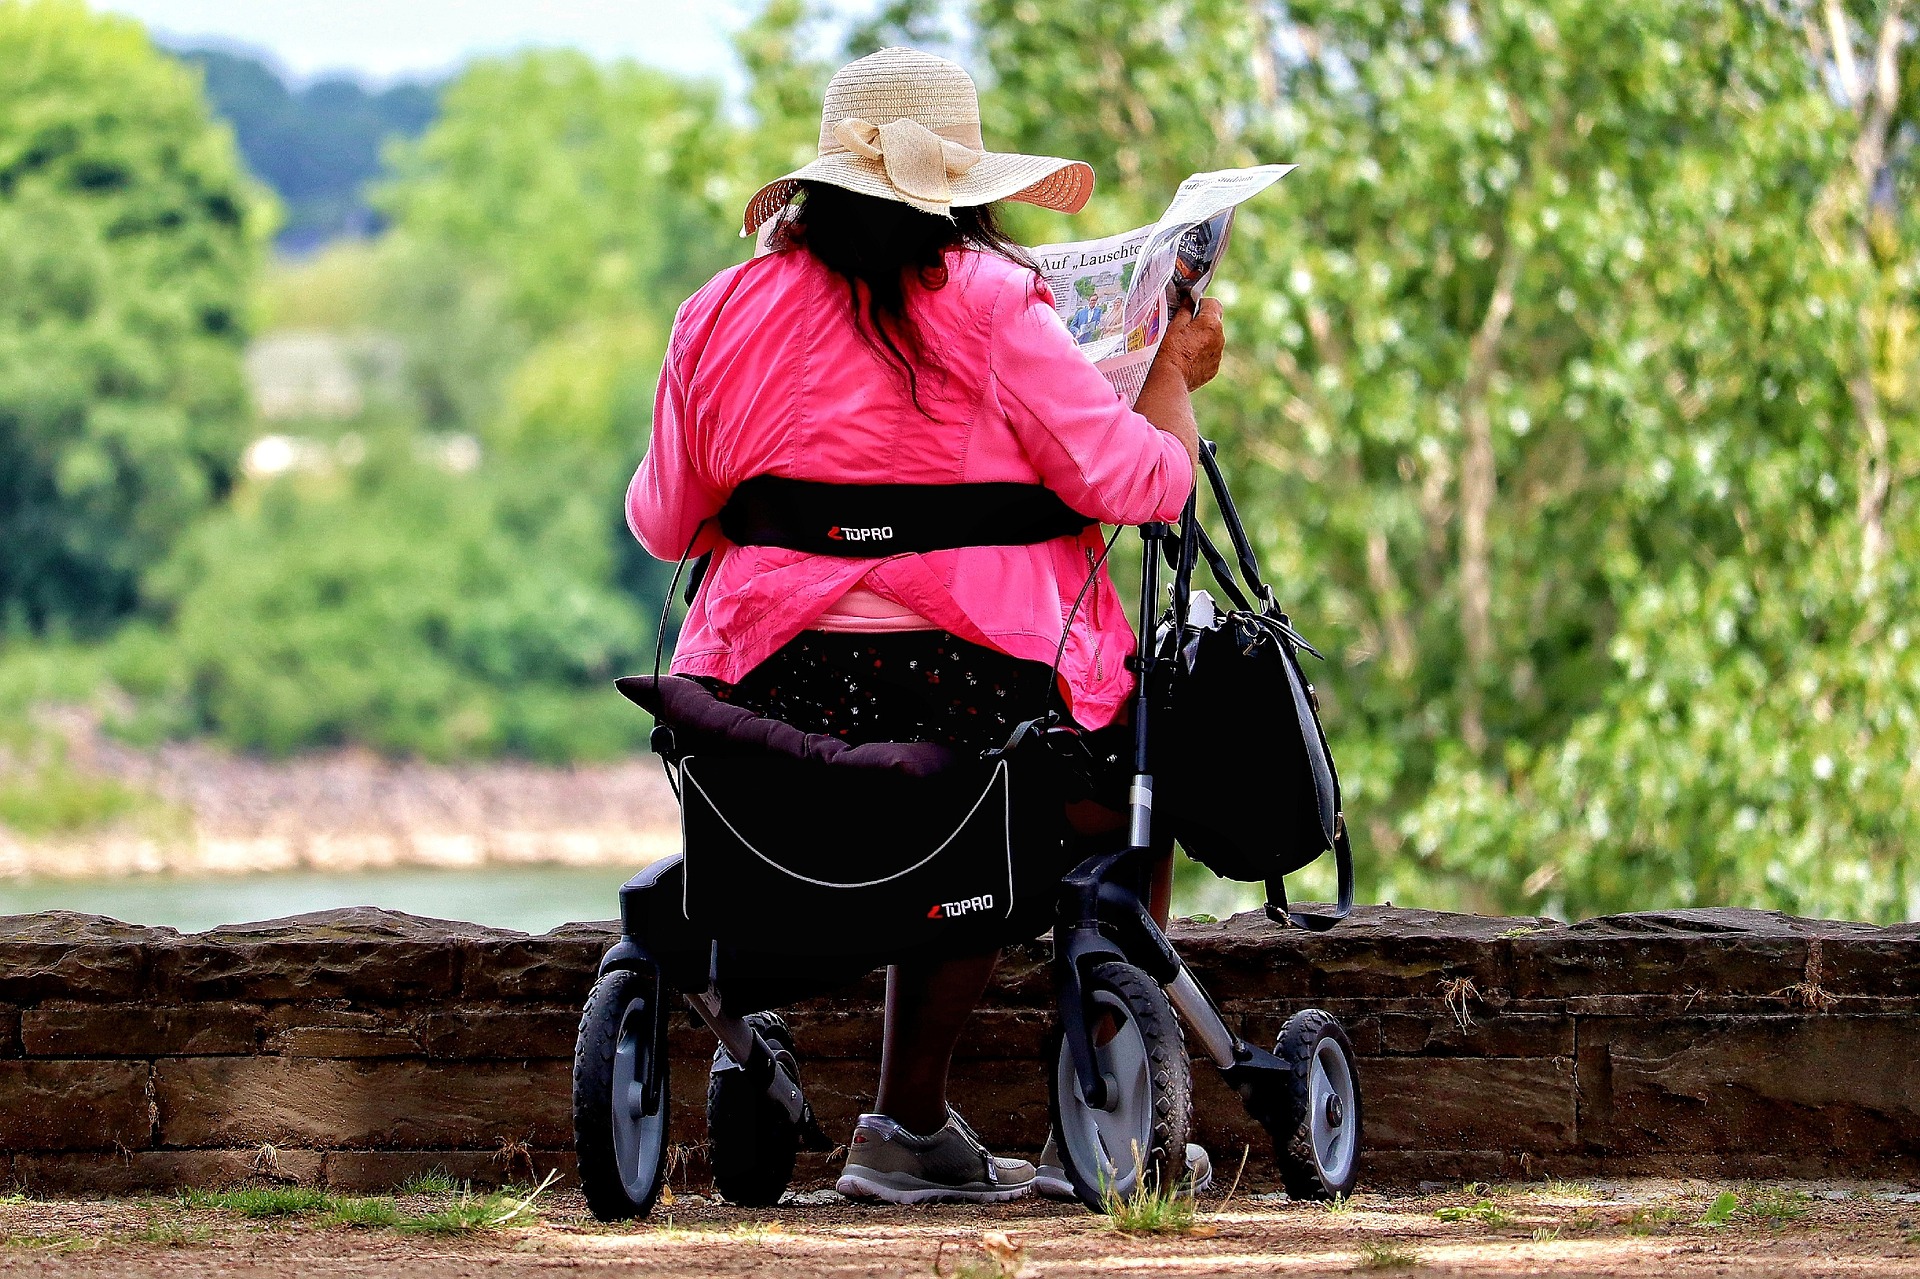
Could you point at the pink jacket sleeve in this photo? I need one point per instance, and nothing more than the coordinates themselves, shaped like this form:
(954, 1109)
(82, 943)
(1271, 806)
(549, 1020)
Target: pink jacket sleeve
(1092, 449)
(668, 499)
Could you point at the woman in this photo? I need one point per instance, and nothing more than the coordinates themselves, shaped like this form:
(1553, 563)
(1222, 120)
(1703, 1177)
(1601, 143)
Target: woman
(892, 335)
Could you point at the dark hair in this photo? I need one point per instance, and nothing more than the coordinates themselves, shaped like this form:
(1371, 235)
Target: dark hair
(873, 244)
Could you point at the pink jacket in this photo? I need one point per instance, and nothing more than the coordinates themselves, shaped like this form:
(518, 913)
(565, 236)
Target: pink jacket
(766, 374)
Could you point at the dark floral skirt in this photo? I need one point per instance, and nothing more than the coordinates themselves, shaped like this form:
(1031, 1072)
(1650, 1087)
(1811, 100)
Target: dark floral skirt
(900, 686)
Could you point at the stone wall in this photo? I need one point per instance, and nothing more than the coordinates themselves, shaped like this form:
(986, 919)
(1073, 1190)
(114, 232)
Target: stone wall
(353, 1048)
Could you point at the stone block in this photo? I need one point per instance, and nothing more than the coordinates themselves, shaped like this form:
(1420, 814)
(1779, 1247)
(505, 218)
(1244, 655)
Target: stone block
(380, 1171)
(1710, 954)
(9, 1031)
(345, 1042)
(74, 1105)
(293, 1101)
(558, 968)
(1465, 1103)
(1487, 1034)
(363, 953)
(1831, 1091)
(139, 1030)
(65, 955)
(323, 1030)
(1379, 954)
(148, 1171)
(488, 1033)
(1880, 964)
(1261, 1023)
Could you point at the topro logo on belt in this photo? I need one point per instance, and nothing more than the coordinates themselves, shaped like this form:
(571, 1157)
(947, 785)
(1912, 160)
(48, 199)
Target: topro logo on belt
(883, 533)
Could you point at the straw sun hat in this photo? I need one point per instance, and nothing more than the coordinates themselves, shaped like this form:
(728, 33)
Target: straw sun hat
(905, 125)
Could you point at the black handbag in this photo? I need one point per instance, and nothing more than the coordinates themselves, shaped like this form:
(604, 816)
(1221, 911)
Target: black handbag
(1243, 769)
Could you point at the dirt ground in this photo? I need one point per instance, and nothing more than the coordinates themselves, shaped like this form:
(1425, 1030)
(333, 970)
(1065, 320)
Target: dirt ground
(1630, 1228)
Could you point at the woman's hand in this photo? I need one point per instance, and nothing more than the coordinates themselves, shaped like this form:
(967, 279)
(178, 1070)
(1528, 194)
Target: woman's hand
(1194, 343)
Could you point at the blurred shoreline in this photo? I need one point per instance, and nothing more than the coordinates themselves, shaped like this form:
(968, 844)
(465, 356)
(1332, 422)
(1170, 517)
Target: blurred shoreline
(214, 812)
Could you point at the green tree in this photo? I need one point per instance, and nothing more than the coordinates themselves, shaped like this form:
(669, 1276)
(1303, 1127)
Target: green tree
(401, 607)
(1755, 741)
(1553, 415)
(581, 188)
(128, 234)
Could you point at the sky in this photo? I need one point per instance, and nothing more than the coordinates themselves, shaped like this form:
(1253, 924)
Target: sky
(382, 40)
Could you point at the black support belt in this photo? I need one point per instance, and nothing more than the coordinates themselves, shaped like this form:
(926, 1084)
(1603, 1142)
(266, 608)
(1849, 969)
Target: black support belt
(868, 521)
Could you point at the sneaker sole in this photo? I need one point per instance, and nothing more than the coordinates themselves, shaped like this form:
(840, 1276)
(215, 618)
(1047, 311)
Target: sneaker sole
(869, 1187)
(1051, 1185)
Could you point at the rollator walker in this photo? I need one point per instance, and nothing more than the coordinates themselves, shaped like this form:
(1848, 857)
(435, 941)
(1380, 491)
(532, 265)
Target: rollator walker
(730, 928)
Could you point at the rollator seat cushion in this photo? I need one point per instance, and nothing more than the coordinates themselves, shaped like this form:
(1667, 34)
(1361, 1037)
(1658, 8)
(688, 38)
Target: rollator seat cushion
(703, 724)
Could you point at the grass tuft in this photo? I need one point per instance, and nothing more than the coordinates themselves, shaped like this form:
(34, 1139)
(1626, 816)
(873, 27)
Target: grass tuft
(363, 1214)
(1554, 1188)
(1647, 1221)
(1387, 1254)
(1774, 1207)
(1338, 1206)
(469, 1213)
(434, 1181)
(265, 1201)
(1148, 1209)
(1484, 1211)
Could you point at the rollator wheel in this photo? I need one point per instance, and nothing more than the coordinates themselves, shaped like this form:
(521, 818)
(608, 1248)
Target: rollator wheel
(754, 1141)
(1143, 1134)
(1320, 1157)
(620, 1096)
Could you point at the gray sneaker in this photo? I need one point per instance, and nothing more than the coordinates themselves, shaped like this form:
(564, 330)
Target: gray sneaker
(888, 1163)
(1050, 1178)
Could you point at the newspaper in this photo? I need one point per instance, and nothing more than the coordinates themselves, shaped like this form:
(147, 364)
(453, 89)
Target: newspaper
(1117, 294)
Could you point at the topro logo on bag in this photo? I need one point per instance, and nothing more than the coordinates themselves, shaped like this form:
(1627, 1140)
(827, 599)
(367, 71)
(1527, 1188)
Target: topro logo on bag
(884, 533)
(953, 910)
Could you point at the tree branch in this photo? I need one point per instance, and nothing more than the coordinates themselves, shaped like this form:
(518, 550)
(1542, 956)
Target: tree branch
(1878, 100)
(1393, 616)
(1476, 495)
(1842, 41)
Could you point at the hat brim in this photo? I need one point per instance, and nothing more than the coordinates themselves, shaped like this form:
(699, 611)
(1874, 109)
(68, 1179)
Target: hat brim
(1050, 182)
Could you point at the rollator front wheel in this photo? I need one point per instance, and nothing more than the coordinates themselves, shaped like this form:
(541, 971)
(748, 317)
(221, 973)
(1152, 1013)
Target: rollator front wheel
(620, 1095)
(1142, 1055)
(754, 1140)
(1319, 1156)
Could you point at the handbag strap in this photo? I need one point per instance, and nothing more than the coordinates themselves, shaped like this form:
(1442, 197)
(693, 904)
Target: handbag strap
(1318, 921)
(1230, 516)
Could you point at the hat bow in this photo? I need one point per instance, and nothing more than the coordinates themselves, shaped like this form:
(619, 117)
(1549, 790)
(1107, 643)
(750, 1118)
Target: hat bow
(918, 161)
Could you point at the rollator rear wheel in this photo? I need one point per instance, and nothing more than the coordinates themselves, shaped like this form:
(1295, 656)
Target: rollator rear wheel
(620, 1096)
(1143, 1134)
(1319, 1157)
(754, 1140)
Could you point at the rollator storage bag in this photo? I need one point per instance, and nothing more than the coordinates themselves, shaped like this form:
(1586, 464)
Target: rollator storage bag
(801, 844)
(1243, 771)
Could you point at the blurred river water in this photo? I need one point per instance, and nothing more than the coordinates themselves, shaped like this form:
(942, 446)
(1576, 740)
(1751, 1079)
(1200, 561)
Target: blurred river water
(532, 899)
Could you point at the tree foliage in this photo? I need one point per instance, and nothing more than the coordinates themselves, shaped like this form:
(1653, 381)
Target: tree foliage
(1573, 389)
(1560, 423)
(399, 607)
(317, 145)
(127, 235)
